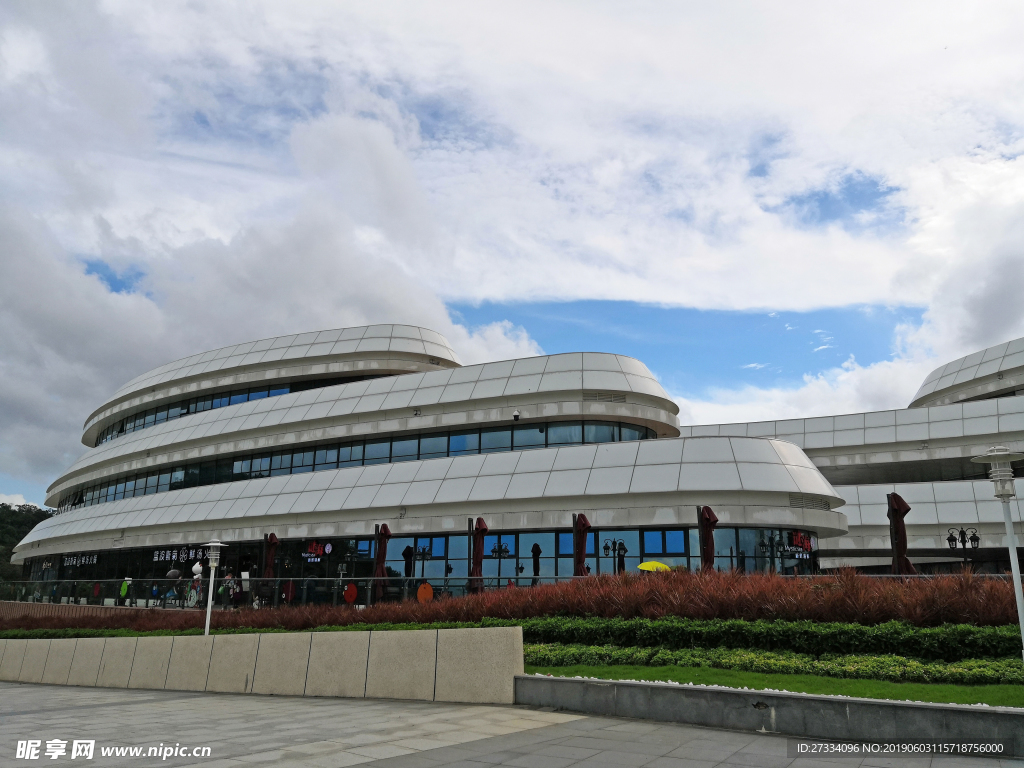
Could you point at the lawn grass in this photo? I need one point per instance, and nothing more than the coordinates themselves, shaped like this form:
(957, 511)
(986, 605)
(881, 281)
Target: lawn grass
(993, 695)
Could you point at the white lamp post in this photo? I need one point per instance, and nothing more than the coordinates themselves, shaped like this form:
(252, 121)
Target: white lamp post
(1001, 474)
(213, 549)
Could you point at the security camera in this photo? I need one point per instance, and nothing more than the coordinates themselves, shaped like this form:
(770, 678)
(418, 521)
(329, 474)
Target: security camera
(515, 415)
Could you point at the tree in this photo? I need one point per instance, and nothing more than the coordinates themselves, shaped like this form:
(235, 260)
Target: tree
(15, 523)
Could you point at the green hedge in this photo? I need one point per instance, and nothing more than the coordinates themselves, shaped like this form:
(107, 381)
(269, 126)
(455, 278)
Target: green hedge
(897, 669)
(951, 642)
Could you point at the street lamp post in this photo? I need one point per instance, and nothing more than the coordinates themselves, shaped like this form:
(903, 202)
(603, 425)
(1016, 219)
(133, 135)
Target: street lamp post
(963, 536)
(1001, 474)
(613, 548)
(214, 553)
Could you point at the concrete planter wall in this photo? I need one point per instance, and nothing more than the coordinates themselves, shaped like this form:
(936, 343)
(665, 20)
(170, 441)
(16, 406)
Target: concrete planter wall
(792, 714)
(460, 665)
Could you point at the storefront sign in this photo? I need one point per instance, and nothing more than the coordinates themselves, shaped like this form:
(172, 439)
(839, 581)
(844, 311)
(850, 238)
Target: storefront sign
(83, 559)
(315, 552)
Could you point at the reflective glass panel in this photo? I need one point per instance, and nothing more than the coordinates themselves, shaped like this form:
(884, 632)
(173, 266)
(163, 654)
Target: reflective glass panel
(403, 450)
(565, 543)
(652, 543)
(630, 432)
(600, 432)
(675, 542)
(461, 443)
(492, 440)
(434, 445)
(565, 433)
(377, 452)
(528, 437)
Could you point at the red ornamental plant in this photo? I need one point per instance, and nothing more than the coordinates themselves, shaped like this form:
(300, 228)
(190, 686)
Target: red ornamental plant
(844, 597)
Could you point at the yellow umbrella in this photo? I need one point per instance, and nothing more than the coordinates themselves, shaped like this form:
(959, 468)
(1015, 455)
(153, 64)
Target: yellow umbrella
(653, 565)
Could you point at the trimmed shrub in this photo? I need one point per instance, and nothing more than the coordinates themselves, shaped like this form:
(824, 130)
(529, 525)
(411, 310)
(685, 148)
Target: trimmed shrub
(846, 597)
(896, 669)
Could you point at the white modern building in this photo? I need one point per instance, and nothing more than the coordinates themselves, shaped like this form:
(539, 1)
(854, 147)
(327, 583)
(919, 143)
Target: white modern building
(318, 438)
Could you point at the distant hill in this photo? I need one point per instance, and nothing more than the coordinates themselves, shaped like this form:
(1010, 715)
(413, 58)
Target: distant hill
(15, 523)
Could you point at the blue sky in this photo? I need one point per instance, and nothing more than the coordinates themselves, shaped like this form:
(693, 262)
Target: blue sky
(695, 351)
(783, 209)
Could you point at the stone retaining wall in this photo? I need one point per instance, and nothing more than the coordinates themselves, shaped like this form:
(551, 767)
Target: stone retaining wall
(792, 714)
(461, 665)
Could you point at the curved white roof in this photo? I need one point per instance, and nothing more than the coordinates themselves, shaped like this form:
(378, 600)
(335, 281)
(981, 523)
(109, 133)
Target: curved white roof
(970, 371)
(317, 407)
(368, 338)
(738, 465)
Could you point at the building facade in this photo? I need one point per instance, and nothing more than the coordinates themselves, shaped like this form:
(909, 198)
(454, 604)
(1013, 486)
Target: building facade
(923, 453)
(320, 437)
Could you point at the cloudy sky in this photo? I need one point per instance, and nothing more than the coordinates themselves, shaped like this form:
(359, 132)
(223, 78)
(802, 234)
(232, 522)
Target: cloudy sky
(785, 209)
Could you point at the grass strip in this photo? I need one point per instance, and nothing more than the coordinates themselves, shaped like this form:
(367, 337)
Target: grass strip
(993, 695)
(896, 669)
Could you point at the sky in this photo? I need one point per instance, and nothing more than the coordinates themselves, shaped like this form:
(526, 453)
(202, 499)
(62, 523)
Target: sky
(783, 209)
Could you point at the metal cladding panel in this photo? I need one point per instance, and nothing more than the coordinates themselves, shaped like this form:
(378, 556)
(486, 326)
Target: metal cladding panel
(377, 396)
(670, 465)
(963, 372)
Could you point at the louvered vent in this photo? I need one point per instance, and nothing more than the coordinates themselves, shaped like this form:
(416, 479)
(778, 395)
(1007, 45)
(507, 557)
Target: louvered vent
(808, 502)
(603, 397)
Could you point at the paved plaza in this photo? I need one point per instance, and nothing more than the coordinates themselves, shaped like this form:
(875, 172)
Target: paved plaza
(247, 730)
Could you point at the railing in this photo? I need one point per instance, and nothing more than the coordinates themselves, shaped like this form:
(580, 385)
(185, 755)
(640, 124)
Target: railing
(257, 593)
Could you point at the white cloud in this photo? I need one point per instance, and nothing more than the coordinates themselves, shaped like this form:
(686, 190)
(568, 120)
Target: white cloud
(14, 499)
(273, 168)
(849, 388)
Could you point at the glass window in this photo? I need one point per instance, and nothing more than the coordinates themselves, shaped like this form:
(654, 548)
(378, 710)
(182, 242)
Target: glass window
(129, 488)
(350, 455)
(161, 415)
(302, 461)
(281, 464)
(164, 483)
(377, 452)
(600, 432)
(458, 547)
(240, 469)
(238, 397)
(564, 544)
(492, 440)
(260, 467)
(675, 542)
(565, 433)
(725, 542)
(546, 542)
(508, 540)
(258, 394)
(432, 446)
(219, 401)
(404, 450)
(630, 432)
(652, 543)
(279, 390)
(437, 546)
(462, 443)
(528, 437)
(224, 473)
(326, 458)
(490, 543)
(150, 419)
(152, 481)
